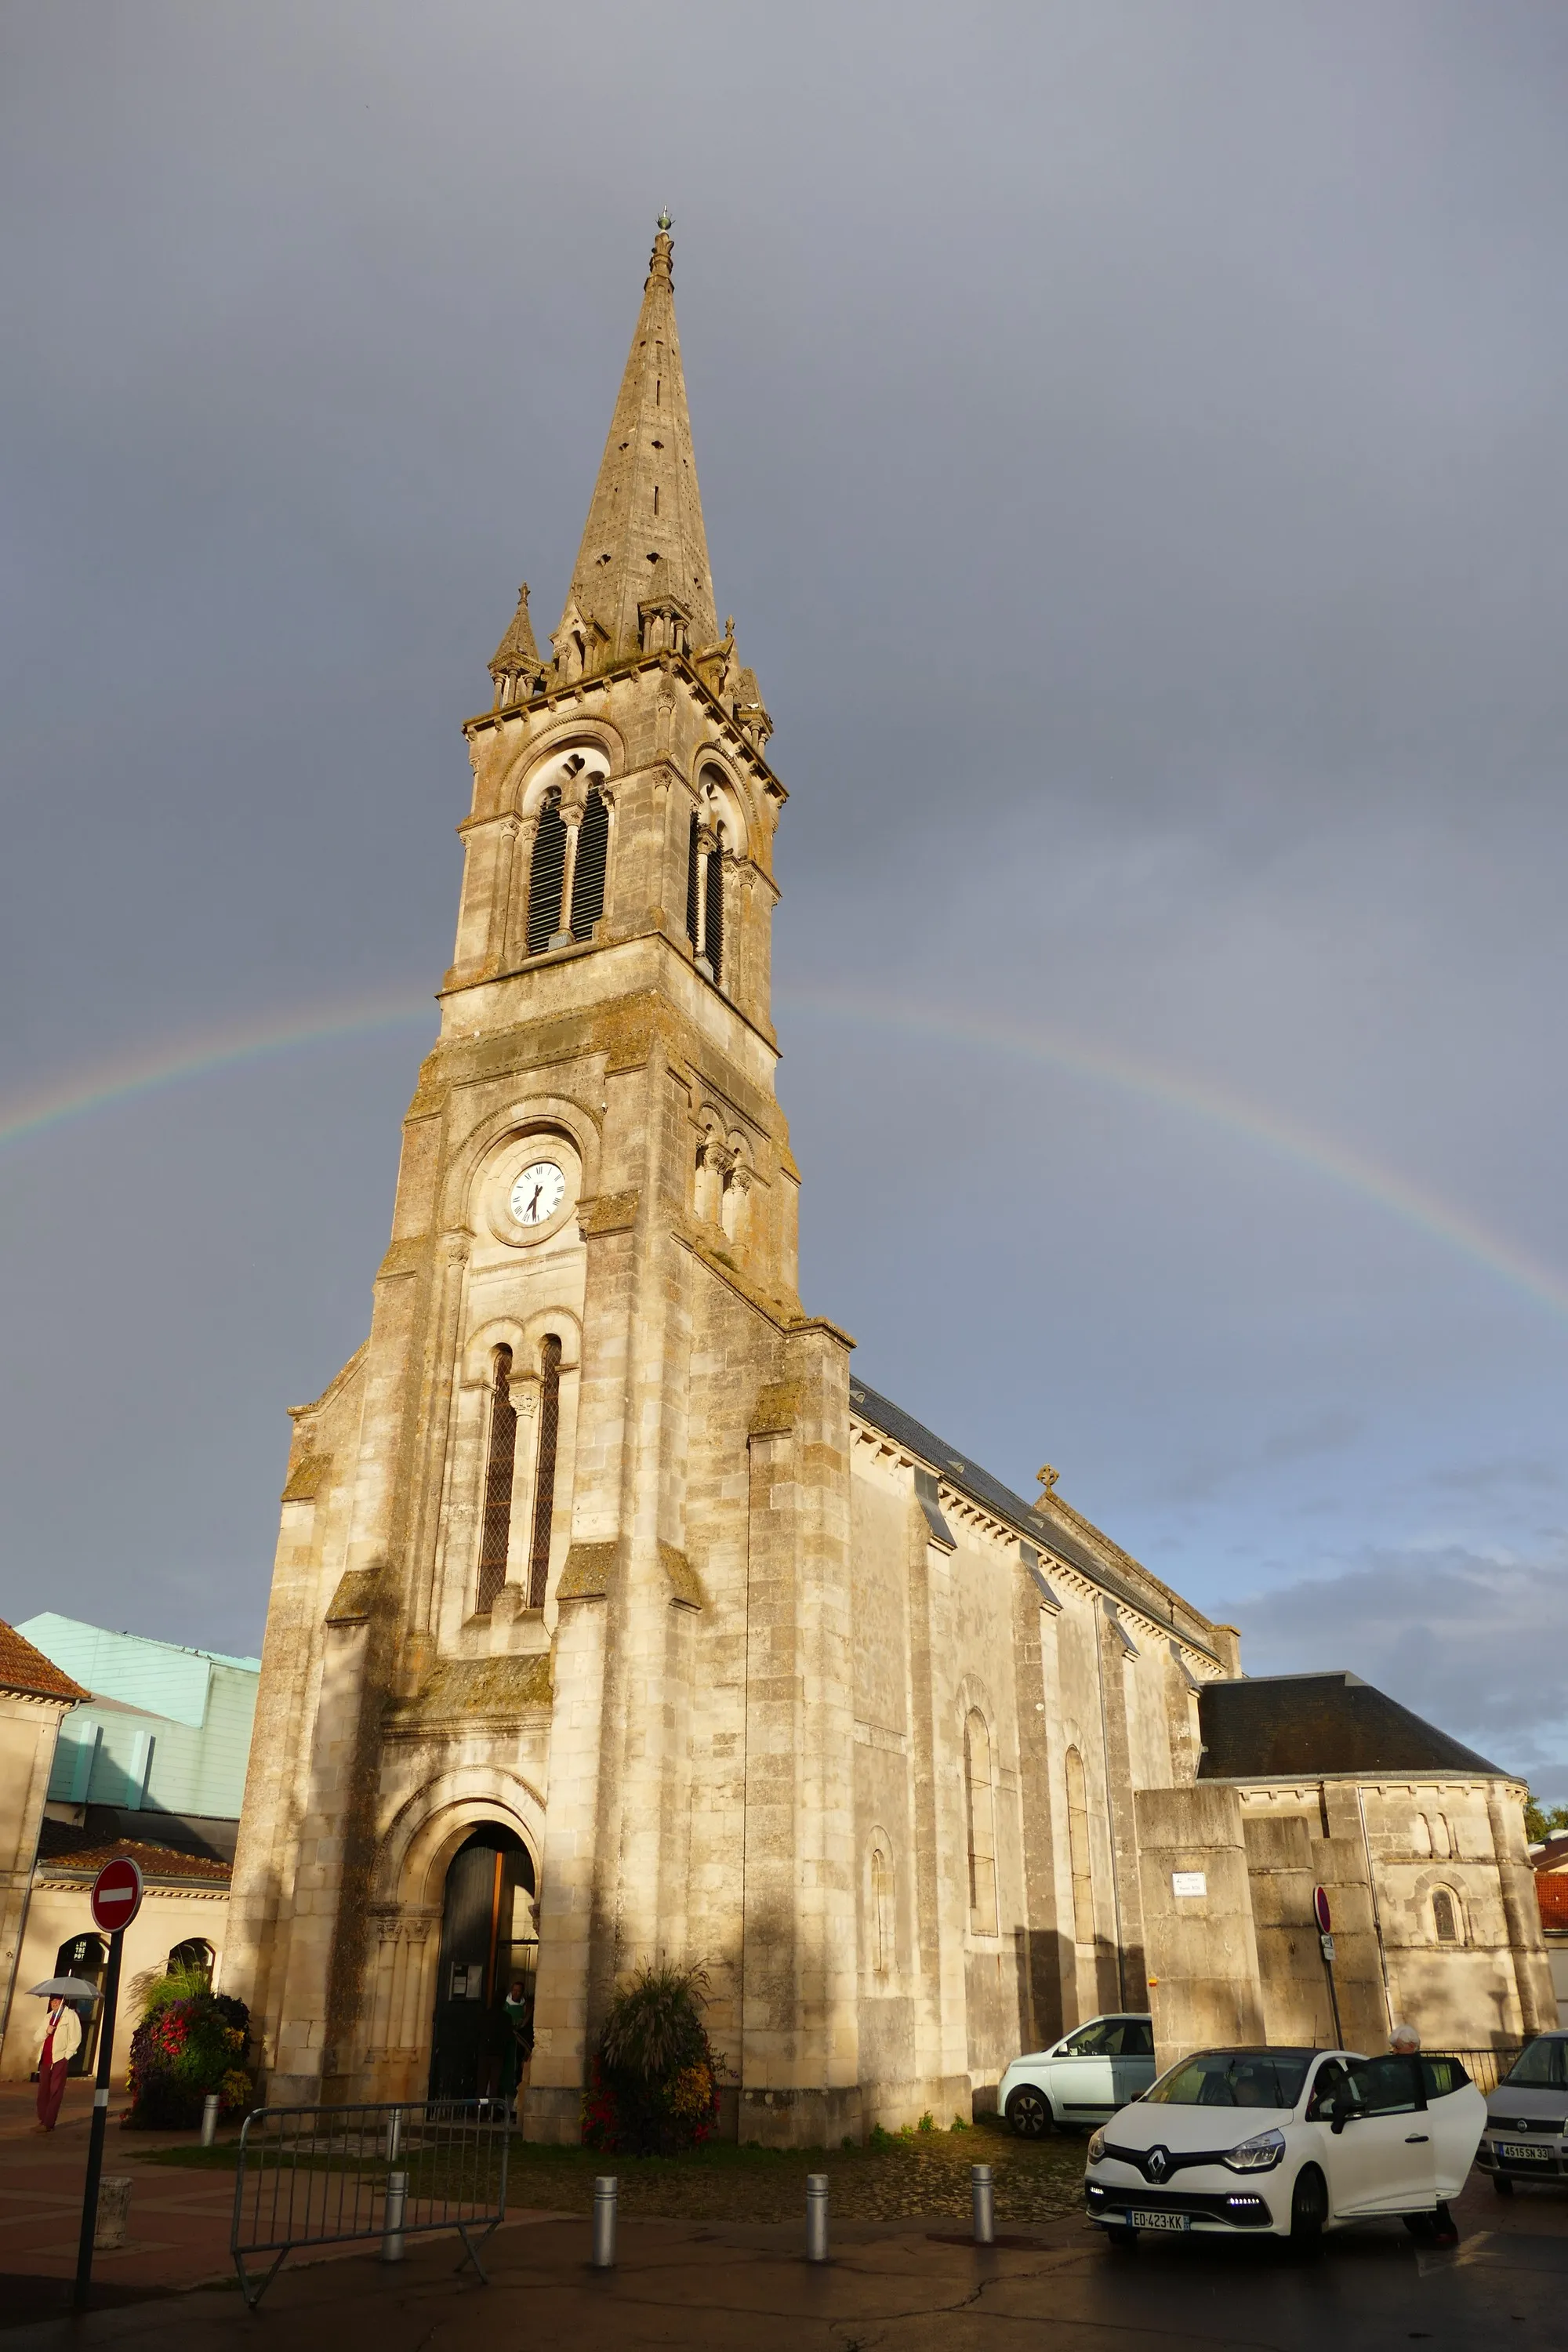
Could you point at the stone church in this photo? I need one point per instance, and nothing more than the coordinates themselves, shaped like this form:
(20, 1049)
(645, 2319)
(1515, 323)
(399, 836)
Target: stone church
(613, 1618)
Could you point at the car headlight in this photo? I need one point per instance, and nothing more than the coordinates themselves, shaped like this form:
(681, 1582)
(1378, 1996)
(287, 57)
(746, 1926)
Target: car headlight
(1260, 2155)
(1096, 2147)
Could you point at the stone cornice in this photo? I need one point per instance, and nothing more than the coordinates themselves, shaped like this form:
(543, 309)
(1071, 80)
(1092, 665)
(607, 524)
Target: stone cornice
(673, 664)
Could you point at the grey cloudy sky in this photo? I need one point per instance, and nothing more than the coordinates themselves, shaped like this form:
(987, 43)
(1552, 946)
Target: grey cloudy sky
(1132, 438)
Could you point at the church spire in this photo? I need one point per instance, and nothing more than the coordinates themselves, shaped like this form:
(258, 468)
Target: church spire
(642, 579)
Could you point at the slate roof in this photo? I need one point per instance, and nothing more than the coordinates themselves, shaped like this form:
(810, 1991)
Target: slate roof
(65, 1847)
(1055, 1528)
(25, 1669)
(1312, 1726)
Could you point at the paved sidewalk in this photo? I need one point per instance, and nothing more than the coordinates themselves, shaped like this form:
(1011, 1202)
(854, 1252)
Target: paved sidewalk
(179, 2219)
(887, 2289)
(891, 2287)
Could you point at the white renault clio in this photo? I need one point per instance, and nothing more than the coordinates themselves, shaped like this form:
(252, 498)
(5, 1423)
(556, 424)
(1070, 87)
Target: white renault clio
(1293, 2142)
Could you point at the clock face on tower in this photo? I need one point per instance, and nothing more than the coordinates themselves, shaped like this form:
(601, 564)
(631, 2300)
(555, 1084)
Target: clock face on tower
(538, 1192)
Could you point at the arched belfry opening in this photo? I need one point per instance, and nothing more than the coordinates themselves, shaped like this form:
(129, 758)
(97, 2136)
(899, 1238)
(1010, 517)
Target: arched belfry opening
(489, 1942)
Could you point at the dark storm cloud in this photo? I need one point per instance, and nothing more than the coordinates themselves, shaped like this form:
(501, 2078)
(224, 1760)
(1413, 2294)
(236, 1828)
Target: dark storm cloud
(1453, 1634)
(1131, 444)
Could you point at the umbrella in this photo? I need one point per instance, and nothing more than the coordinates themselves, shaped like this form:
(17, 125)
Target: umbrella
(69, 1987)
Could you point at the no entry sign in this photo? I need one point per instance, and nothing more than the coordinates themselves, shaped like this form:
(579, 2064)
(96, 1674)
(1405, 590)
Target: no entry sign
(117, 1894)
(1321, 1909)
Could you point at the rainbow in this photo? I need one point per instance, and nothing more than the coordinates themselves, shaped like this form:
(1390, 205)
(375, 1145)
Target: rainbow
(203, 1056)
(182, 1061)
(1423, 1211)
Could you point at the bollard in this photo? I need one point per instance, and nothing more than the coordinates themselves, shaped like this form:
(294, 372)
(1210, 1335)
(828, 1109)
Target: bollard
(392, 2217)
(606, 2189)
(984, 2195)
(210, 2105)
(394, 2135)
(113, 2214)
(817, 2217)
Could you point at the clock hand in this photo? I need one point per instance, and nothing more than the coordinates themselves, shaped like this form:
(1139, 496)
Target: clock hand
(535, 1202)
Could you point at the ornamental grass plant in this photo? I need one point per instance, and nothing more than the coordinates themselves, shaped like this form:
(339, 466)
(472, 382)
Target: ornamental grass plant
(653, 2082)
(191, 2041)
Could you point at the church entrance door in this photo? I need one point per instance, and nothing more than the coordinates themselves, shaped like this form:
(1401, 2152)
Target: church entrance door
(488, 1942)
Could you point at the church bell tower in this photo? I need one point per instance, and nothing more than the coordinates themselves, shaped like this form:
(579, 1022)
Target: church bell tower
(556, 1675)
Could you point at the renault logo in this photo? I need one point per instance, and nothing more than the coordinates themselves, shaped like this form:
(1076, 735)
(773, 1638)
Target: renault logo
(1157, 2163)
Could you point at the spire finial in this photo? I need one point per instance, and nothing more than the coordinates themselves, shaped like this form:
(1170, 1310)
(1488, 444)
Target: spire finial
(664, 221)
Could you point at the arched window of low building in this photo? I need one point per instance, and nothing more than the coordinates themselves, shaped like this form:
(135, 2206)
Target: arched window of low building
(547, 875)
(881, 1912)
(544, 1477)
(593, 860)
(495, 1533)
(982, 1813)
(1448, 1923)
(192, 1958)
(1077, 1848)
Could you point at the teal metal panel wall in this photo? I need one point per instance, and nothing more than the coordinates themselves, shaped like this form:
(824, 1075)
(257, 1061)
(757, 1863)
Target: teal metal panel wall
(166, 1727)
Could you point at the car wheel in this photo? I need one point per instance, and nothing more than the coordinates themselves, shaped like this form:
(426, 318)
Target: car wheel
(1423, 2227)
(1120, 2240)
(1309, 2207)
(1029, 2112)
(1502, 2185)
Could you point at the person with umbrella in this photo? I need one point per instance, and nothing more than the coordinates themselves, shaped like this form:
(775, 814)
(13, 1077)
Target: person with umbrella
(58, 2042)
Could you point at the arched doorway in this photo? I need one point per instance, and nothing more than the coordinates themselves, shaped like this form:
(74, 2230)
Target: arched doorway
(488, 1939)
(84, 1956)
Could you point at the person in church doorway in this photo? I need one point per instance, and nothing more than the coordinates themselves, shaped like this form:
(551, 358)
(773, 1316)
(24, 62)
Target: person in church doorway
(59, 2041)
(520, 2037)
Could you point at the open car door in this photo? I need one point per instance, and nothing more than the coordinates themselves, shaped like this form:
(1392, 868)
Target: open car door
(1381, 2157)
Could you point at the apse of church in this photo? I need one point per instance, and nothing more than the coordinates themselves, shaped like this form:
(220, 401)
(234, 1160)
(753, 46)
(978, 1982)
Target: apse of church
(611, 1619)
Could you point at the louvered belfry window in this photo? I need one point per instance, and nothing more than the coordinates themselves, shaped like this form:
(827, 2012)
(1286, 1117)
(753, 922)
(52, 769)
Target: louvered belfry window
(495, 1534)
(544, 1481)
(693, 868)
(715, 939)
(593, 854)
(546, 876)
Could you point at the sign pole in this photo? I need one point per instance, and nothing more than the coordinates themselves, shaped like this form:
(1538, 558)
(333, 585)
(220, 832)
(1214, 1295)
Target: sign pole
(1321, 1913)
(116, 1900)
(99, 2124)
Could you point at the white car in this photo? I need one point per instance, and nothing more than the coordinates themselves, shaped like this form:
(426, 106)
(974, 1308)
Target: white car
(1081, 2079)
(1293, 2142)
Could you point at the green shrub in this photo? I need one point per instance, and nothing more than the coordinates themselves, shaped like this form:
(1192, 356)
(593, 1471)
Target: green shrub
(653, 2084)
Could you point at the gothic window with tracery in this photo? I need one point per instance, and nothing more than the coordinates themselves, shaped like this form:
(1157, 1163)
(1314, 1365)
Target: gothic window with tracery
(496, 1532)
(714, 933)
(593, 858)
(693, 869)
(547, 875)
(1077, 1848)
(544, 1477)
(982, 1813)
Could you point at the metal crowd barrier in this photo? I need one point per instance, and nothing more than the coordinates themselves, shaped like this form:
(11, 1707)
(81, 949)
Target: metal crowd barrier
(320, 2176)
